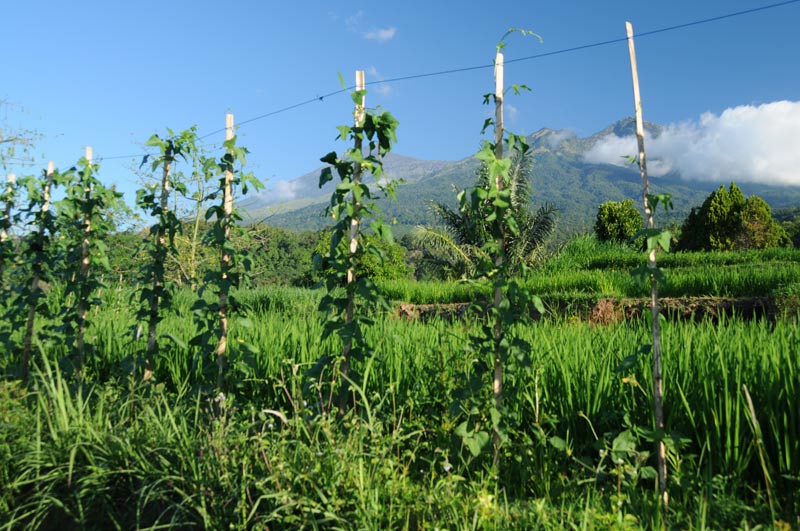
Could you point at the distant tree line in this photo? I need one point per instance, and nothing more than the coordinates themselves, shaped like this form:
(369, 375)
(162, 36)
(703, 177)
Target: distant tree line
(726, 221)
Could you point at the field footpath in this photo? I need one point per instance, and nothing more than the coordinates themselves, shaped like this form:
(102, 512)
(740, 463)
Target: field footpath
(610, 310)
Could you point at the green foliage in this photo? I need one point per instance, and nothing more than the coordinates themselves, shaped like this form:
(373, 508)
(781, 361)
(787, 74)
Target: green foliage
(39, 246)
(211, 317)
(154, 201)
(789, 218)
(174, 457)
(727, 221)
(456, 249)
(7, 251)
(85, 217)
(350, 291)
(280, 256)
(617, 221)
(759, 229)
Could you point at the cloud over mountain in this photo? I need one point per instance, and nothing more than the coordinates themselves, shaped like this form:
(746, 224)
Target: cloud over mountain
(744, 144)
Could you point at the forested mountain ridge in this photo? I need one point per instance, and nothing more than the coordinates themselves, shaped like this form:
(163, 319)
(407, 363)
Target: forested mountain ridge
(561, 175)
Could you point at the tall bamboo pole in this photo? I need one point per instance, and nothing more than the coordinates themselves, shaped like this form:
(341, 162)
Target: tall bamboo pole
(6, 223)
(497, 383)
(658, 381)
(37, 270)
(355, 221)
(83, 302)
(158, 273)
(225, 261)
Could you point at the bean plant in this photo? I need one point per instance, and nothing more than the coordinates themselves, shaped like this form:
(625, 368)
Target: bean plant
(154, 201)
(43, 261)
(492, 206)
(212, 317)
(8, 200)
(85, 218)
(350, 294)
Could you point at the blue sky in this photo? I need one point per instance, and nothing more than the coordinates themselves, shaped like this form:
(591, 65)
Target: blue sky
(110, 74)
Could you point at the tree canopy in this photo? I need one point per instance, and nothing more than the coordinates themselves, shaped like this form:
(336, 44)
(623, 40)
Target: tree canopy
(728, 221)
(617, 221)
(457, 245)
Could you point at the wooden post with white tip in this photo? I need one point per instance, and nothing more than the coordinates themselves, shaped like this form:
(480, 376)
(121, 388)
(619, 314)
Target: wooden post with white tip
(658, 379)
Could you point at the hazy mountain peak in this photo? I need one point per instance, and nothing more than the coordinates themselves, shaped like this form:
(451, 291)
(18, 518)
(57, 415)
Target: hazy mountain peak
(627, 127)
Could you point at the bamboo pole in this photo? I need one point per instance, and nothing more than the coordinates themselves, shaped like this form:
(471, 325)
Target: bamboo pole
(6, 224)
(658, 381)
(37, 270)
(355, 221)
(158, 273)
(497, 383)
(83, 303)
(225, 261)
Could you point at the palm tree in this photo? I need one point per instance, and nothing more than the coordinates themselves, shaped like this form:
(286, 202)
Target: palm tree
(457, 245)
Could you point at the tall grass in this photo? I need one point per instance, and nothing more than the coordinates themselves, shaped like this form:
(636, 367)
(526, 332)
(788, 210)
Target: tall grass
(117, 454)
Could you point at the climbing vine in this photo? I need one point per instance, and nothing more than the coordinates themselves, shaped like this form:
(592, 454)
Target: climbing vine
(350, 294)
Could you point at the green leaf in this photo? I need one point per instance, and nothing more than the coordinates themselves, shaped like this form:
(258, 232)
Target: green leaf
(175, 339)
(326, 175)
(623, 445)
(518, 88)
(558, 443)
(647, 472)
(344, 131)
(537, 303)
(665, 239)
(495, 416)
(330, 158)
(498, 202)
(477, 442)
(486, 154)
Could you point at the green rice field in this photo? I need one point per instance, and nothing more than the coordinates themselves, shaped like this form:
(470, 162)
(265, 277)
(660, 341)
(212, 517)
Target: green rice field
(270, 452)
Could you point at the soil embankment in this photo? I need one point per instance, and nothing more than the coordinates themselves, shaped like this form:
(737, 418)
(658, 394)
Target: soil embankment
(606, 311)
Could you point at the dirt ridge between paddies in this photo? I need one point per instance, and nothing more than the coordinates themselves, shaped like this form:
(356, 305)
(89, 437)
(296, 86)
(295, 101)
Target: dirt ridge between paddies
(609, 310)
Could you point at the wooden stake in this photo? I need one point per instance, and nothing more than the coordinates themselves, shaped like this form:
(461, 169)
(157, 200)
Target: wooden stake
(658, 382)
(499, 126)
(497, 383)
(6, 224)
(37, 268)
(158, 274)
(12, 179)
(355, 221)
(83, 303)
(225, 261)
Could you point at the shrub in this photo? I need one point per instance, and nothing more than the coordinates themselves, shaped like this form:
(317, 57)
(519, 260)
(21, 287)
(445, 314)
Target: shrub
(617, 221)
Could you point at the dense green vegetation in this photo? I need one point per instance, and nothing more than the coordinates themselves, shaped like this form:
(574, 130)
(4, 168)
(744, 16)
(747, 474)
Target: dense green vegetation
(118, 453)
(168, 452)
(617, 221)
(727, 220)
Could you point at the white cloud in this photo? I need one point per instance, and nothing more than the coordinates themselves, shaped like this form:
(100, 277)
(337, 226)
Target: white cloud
(511, 111)
(557, 137)
(353, 21)
(745, 144)
(384, 89)
(284, 191)
(381, 34)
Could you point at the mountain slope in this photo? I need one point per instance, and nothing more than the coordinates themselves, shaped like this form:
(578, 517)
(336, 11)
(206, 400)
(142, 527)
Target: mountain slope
(560, 176)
